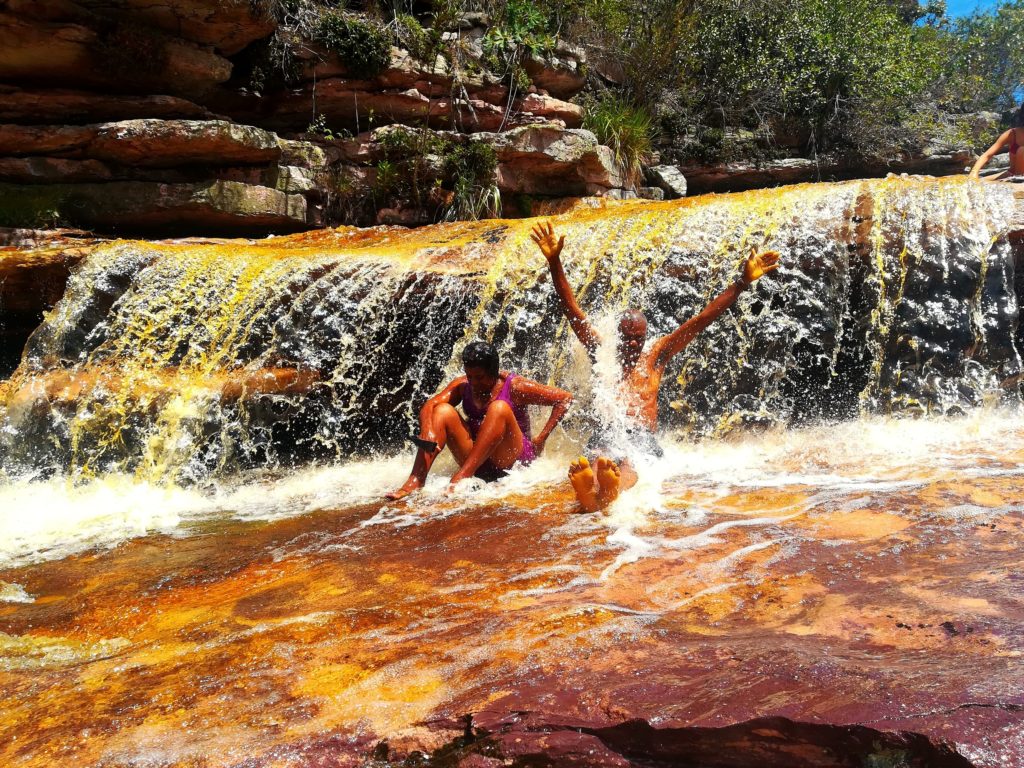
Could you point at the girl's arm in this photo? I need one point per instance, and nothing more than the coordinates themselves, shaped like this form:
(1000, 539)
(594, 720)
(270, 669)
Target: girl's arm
(995, 149)
(528, 392)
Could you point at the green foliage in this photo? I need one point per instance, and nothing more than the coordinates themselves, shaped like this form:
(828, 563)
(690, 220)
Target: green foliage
(985, 62)
(848, 75)
(272, 63)
(422, 44)
(35, 207)
(363, 47)
(319, 127)
(437, 172)
(472, 168)
(845, 68)
(626, 128)
(520, 31)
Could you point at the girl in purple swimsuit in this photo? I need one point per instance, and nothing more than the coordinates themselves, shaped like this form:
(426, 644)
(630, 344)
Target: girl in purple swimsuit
(1011, 141)
(495, 432)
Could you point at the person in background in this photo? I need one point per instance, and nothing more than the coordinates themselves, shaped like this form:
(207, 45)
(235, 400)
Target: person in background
(495, 433)
(641, 370)
(1011, 141)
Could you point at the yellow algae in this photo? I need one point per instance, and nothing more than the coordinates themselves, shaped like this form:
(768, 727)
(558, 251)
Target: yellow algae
(387, 699)
(573, 621)
(330, 680)
(760, 502)
(777, 601)
(387, 578)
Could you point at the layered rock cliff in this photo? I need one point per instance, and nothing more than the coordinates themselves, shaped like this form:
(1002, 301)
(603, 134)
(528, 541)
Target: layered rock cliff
(196, 117)
(204, 117)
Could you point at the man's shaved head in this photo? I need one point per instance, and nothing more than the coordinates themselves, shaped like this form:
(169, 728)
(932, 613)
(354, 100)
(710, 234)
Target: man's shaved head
(632, 335)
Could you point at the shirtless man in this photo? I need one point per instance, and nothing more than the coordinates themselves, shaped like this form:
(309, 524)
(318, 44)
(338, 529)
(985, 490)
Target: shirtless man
(641, 369)
(495, 434)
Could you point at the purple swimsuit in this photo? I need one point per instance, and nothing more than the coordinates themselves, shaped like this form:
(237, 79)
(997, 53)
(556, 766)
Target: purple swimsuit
(475, 417)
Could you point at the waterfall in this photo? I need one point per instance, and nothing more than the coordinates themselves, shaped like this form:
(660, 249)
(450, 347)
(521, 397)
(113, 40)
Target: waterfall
(894, 296)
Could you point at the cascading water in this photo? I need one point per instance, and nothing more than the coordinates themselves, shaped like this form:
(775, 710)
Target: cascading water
(231, 414)
(894, 296)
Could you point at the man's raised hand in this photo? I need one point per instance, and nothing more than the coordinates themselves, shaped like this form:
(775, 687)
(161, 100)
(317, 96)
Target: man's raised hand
(544, 236)
(759, 265)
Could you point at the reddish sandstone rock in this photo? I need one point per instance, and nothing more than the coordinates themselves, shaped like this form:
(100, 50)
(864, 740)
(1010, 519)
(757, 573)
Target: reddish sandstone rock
(63, 106)
(552, 161)
(226, 26)
(69, 54)
(138, 206)
(146, 143)
(560, 75)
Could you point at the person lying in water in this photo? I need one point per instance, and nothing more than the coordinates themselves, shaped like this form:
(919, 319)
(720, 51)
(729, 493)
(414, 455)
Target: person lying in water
(496, 431)
(1011, 141)
(641, 371)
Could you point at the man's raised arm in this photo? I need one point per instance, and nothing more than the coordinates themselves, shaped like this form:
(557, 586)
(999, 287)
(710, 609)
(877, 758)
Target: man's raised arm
(667, 347)
(544, 236)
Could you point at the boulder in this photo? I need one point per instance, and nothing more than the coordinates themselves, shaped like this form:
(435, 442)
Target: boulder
(549, 109)
(52, 170)
(157, 143)
(553, 161)
(226, 26)
(560, 75)
(667, 178)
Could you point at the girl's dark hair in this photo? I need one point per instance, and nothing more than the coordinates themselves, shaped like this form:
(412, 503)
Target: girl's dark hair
(1018, 117)
(480, 354)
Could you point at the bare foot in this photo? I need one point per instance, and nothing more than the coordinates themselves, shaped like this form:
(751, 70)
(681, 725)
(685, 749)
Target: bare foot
(582, 478)
(608, 481)
(412, 484)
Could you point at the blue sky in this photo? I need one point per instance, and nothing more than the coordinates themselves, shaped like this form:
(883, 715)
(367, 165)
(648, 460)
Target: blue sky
(964, 7)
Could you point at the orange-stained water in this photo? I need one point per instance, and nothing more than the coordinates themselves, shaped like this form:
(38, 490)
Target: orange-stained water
(860, 572)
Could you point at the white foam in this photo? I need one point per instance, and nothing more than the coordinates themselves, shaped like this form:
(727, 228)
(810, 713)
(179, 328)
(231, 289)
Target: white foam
(842, 464)
(14, 593)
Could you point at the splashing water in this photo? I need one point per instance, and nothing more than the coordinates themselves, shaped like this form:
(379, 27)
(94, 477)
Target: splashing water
(893, 296)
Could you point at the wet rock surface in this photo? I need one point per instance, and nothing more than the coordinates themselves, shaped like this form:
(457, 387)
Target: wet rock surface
(785, 625)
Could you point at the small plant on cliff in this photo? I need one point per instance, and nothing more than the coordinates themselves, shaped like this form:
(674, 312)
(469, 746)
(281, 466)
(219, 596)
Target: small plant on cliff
(272, 63)
(520, 33)
(472, 168)
(422, 44)
(363, 47)
(627, 129)
(435, 172)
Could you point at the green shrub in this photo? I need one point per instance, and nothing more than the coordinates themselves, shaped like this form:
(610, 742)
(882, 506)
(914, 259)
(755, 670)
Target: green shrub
(430, 171)
(272, 63)
(985, 59)
(472, 168)
(520, 31)
(422, 44)
(363, 47)
(37, 207)
(627, 129)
